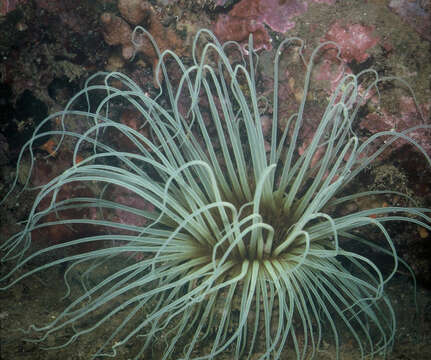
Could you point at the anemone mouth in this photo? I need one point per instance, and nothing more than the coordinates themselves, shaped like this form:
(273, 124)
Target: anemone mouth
(228, 228)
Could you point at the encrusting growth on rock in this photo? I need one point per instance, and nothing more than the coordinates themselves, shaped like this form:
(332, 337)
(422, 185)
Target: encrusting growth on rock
(117, 31)
(134, 11)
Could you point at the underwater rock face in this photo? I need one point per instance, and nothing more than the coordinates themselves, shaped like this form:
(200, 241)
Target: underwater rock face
(134, 11)
(412, 247)
(251, 16)
(238, 29)
(416, 13)
(405, 119)
(119, 31)
(215, 212)
(355, 40)
(4, 150)
(7, 6)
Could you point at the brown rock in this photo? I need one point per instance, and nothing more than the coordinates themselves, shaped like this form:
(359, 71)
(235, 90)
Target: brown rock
(134, 11)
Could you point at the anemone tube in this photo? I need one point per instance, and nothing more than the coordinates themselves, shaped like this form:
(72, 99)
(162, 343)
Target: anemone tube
(243, 251)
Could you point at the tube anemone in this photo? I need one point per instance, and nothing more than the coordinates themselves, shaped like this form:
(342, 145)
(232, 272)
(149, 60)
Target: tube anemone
(240, 249)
